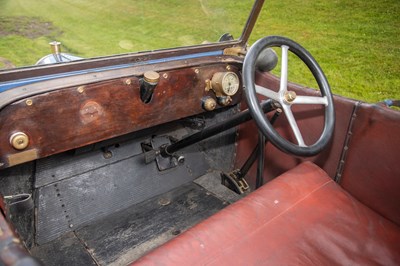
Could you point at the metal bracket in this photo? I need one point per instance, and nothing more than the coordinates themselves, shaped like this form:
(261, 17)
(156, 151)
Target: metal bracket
(234, 181)
(235, 51)
(154, 150)
(18, 203)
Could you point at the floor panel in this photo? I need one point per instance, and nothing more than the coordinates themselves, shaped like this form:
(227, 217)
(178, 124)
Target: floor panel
(126, 235)
(64, 251)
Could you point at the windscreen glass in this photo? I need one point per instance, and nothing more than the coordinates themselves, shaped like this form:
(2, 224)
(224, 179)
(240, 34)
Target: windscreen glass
(93, 28)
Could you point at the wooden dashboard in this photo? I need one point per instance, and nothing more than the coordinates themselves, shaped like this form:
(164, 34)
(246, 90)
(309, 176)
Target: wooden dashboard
(76, 116)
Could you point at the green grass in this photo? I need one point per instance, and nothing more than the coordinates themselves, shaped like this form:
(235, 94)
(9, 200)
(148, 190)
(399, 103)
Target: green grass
(90, 28)
(356, 42)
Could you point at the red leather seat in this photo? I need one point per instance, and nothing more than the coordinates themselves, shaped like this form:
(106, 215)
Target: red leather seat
(299, 218)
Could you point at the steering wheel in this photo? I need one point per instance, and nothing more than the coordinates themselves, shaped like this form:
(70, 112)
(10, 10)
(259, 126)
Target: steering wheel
(285, 98)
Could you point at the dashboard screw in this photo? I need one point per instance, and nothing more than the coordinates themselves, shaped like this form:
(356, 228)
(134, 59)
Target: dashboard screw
(81, 89)
(29, 102)
(165, 75)
(128, 81)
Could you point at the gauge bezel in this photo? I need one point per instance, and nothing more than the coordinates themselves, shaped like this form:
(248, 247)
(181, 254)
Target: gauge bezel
(218, 83)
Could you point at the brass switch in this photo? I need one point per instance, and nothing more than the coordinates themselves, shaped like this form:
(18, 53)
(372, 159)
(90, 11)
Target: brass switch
(208, 103)
(19, 140)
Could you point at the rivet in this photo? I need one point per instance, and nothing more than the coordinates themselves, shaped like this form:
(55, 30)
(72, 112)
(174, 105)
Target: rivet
(81, 89)
(107, 154)
(165, 75)
(196, 71)
(29, 102)
(128, 81)
(71, 225)
(228, 68)
(164, 201)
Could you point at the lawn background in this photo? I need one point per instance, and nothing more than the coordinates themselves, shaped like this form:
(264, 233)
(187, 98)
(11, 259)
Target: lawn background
(357, 43)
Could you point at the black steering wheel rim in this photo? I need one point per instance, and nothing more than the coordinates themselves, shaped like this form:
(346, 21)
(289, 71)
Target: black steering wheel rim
(262, 122)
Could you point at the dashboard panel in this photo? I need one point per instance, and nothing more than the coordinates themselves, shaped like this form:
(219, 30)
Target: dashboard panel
(76, 116)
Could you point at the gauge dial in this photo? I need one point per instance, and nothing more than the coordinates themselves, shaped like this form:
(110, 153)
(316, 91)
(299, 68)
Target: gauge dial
(230, 83)
(225, 83)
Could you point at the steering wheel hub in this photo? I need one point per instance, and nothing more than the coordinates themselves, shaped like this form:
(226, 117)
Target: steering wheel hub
(289, 96)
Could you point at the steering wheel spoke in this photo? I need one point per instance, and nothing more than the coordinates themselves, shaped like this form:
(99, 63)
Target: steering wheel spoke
(284, 70)
(293, 124)
(267, 93)
(310, 100)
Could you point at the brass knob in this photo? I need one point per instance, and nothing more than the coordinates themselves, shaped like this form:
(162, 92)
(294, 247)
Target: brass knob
(19, 140)
(209, 104)
(151, 77)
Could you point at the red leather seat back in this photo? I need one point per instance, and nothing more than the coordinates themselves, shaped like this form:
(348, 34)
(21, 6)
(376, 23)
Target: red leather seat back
(310, 120)
(371, 170)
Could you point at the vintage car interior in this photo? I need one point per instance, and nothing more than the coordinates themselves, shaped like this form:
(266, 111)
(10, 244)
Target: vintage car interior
(194, 156)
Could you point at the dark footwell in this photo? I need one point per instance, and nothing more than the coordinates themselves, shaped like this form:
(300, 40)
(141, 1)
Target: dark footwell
(124, 236)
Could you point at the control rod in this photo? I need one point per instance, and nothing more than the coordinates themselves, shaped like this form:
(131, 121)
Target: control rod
(210, 131)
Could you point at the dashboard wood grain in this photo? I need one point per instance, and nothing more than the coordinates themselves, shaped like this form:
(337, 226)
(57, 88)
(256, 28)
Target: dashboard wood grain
(77, 116)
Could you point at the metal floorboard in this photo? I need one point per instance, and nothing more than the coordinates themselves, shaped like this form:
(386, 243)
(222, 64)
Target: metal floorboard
(126, 235)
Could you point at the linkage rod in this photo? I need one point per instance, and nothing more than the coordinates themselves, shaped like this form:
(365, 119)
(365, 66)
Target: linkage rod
(210, 131)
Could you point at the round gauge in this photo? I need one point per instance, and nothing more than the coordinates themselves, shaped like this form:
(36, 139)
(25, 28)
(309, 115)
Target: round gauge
(230, 83)
(225, 83)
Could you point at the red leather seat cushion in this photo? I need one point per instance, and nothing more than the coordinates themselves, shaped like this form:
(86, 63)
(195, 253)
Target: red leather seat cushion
(299, 218)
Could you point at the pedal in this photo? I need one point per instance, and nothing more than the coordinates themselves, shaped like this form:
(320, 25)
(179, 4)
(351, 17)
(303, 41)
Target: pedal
(235, 182)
